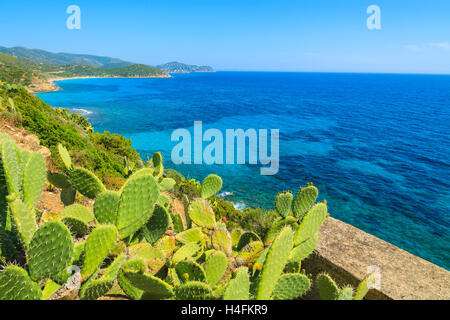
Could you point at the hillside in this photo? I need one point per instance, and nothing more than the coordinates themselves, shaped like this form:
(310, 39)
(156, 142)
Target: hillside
(46, 57)
(38, 76)
(178, 67)
(103, 153)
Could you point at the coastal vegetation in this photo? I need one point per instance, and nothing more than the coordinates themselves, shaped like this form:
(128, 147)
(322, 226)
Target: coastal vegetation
(135, 246)
(37, 75)
(102, 153)
(149, 232)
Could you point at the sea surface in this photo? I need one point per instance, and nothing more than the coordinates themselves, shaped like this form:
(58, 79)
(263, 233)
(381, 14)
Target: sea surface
(377, 146)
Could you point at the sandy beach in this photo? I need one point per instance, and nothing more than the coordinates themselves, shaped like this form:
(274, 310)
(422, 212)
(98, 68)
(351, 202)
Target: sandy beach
(49, 85)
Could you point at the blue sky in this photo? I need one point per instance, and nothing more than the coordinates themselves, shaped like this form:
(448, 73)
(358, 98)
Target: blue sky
(272, 35)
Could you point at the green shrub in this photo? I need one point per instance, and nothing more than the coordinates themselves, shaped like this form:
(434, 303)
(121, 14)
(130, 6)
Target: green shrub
(257, 220)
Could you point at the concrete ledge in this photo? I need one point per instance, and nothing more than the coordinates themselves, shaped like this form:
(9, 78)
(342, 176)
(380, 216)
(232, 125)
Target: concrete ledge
(345, 252)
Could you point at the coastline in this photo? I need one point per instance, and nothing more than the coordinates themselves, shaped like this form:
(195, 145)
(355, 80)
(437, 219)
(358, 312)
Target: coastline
(49, 84)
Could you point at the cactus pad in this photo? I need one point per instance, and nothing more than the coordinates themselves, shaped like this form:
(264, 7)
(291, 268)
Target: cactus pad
(137, 200)
(311, 223)
(58, 180)
(77, 218)
(9, 161)
(215, 267)
(51, 250)
(15, 284)
(276, 228)
(154, 287)
(276, 259)
(291, 286)
(250, 252)
(304, 249)
(24, 220)
(97, 246)
(346, 294)
(210, 186)
(191, 235)
(283, 202)
(201, 214)
(106, 206)
(132, 265)
(86, 183)
(189, 270)
(364, 287)
(188, 251)
(193, 290)
(65, 157)
(157, 226)
(246, 238)
(93, 290)
(221, 240)
(166, 184)
(239, 287)
(303, 200)
(328, 289)
(34, 177)
(68, 195)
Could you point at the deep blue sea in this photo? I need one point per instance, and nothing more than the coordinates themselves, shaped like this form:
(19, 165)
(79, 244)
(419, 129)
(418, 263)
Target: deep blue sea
(377, 146)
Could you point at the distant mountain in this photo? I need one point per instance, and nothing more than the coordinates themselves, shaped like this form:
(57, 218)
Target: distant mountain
(37, 76)
(45, 57)
(178, 67)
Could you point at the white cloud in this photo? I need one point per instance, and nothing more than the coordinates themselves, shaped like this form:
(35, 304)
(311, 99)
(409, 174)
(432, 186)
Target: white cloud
(413, 47)
(440, 45)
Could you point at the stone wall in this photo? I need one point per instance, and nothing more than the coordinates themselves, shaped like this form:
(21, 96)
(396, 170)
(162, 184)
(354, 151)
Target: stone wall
(345, 252)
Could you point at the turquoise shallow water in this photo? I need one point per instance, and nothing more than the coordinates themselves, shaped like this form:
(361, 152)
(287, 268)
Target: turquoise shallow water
(377, 146)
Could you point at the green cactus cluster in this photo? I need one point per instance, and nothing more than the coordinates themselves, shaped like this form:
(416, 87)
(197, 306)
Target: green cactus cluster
(135, 245)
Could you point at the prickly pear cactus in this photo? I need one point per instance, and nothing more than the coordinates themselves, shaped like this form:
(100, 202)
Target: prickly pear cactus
(191, 235)
(15, 284)
(86, 183)
(283, 202)
(10, 165)
(77, 218)
(94, 289)
(190, 250)
(34, 177)
(291, 286)
(303, 200)
(276, 259)
(221, 240)
(215, 267)
(59, 180)
(137, 200)
(193, 290)
(239, 286)
(153, 287)
(189, 270)
(97, 247)
(157, 225)
(304, 249)
(106, 207)
(246, 238)
(364, 287)
(201, 214)
(24, 220)
(167, 184)
(50, 250)
(311, 223)
(210, 186)
(65, 157)
(328, 289)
